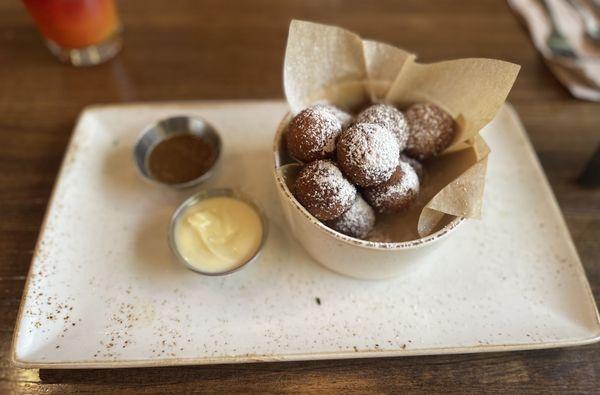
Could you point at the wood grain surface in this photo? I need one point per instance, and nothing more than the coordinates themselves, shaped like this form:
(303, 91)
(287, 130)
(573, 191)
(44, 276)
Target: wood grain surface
(190, 49)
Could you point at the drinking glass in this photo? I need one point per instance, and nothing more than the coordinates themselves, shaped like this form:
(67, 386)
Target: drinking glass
(79, 32)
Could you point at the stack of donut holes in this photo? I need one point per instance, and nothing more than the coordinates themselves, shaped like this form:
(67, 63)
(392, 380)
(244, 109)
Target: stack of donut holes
(354, 166)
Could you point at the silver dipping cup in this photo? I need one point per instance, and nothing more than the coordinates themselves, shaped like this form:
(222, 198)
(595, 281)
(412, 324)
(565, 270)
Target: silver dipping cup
(164, 129)
(211, 193)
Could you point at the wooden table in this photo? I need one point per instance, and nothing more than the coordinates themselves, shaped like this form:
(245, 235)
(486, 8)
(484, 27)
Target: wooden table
(189, 49)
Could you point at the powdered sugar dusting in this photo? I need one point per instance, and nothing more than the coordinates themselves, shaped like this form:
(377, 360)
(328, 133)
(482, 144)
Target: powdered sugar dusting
(341, 115)
(312, 133)
(322, 189)
(397, 193)
(415, 164)
(357, 221)
(390, 118)
(431, 130)
(368, 153)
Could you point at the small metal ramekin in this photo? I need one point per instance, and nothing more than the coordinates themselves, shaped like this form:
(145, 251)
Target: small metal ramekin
(167, 128)
(211, 193)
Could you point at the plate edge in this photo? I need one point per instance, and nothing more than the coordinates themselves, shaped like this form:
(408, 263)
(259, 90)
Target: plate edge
(305, 356)
(51, 201)
(515, 119)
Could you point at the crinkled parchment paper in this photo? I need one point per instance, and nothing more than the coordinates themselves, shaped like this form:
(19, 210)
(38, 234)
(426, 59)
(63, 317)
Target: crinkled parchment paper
(326, 63)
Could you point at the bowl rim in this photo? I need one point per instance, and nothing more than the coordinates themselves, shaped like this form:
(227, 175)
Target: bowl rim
(373, 245)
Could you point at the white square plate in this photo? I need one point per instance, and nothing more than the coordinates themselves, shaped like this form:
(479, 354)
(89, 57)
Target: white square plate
(105, 291)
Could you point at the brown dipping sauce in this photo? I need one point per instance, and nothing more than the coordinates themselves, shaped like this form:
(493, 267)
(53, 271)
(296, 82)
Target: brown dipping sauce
(180, 159)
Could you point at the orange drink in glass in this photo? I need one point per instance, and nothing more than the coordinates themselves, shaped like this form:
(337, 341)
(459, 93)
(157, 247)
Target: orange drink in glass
(80, 32)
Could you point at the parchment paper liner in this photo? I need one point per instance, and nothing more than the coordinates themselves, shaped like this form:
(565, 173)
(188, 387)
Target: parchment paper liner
(326, 63)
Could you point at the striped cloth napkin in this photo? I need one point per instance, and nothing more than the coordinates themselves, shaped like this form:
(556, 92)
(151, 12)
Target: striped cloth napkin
(580, 75)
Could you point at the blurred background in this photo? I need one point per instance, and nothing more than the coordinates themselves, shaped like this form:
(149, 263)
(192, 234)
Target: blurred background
(214, 49)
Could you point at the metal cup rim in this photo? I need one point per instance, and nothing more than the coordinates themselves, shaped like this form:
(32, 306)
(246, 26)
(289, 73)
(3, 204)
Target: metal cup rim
(141, 153)
(211, 193)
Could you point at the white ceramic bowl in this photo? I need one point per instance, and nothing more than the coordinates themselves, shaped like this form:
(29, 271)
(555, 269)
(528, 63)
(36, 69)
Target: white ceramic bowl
(338, 252)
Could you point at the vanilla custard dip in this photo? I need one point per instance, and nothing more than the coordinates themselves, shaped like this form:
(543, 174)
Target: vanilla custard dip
(216, 234)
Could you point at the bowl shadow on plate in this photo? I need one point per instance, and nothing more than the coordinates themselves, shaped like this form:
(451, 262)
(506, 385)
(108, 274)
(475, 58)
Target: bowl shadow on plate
(121, 182)
(119, 172)
(250, 173)
(151, 247)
